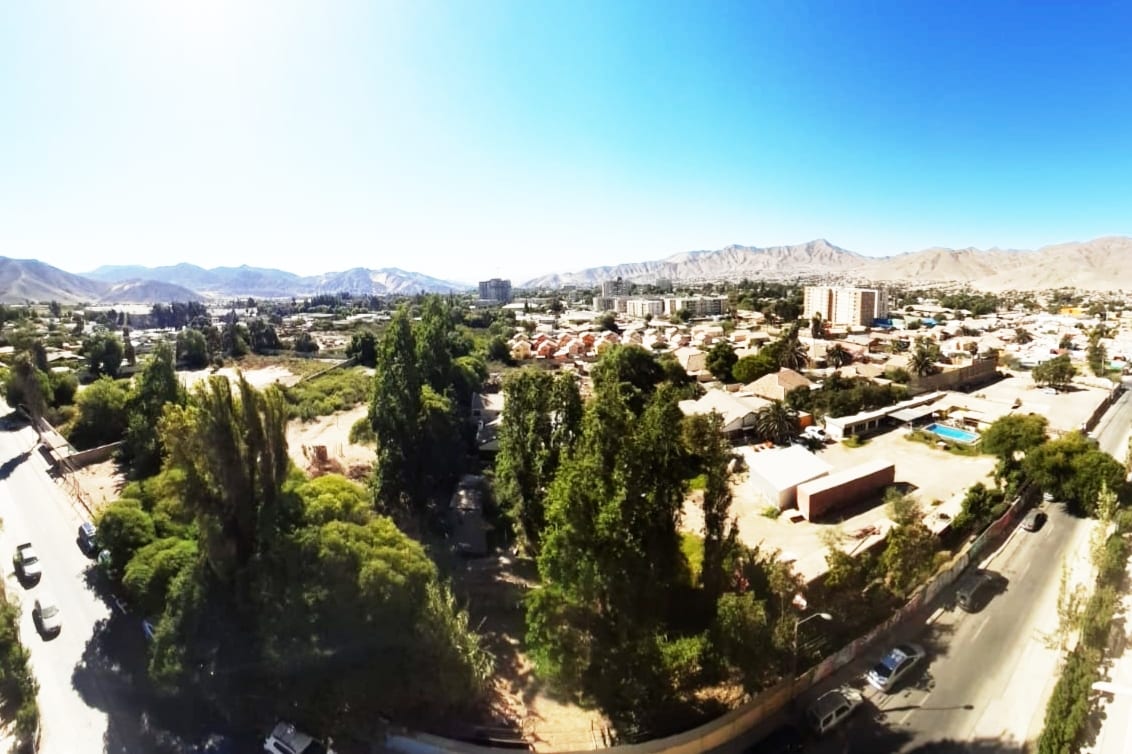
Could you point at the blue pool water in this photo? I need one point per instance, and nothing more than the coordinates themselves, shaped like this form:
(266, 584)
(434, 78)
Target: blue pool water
(953, 434)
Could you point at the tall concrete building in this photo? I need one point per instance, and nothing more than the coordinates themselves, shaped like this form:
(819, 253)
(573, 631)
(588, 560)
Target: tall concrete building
(614, 288)
(495, 289)
(845, 306)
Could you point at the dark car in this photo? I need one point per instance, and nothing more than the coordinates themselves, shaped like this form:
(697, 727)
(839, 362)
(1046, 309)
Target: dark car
(87, 541)
(786, 739)
(1034, 520)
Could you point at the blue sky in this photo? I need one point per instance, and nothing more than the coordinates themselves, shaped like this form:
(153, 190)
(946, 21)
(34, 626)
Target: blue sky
(474, 138)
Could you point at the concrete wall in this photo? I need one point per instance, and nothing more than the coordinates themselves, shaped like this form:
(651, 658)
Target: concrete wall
(978, 371)
(83, 458)
(774, 699)
(818, 497)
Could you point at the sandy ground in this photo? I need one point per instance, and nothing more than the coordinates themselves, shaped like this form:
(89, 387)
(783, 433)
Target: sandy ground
(929, 474)
(333, 432)
(259, 378)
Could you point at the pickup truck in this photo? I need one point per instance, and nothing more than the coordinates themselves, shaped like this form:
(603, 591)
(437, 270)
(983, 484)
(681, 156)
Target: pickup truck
(27, 562)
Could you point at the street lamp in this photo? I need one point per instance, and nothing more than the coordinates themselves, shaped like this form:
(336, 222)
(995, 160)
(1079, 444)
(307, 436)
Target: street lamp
(794, 654)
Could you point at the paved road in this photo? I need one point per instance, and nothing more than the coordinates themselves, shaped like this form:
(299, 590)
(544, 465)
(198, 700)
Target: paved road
(988, 674)
(93, 693)
(1113, 428)
(34, 509)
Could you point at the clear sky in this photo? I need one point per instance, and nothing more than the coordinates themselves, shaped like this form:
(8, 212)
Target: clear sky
(474, 138)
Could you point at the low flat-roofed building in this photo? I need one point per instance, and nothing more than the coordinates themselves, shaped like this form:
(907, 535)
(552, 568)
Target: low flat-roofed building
(777, 472)
(819, 497)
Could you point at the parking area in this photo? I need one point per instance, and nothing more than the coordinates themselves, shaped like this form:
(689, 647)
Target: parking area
(938, 479)
(1066, 410)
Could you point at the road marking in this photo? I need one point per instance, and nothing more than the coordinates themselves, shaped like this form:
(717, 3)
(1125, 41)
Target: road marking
(979, 630)
(935, 616)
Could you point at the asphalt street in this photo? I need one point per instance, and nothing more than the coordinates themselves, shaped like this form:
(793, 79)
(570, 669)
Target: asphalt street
(93, 694)
(1113, 428)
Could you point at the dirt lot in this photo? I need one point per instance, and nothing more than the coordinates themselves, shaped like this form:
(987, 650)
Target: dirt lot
(258, 377)
(494, 588)
(333, 433)
(929, 474)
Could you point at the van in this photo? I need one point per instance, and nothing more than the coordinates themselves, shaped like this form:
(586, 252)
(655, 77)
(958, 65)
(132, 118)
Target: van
(974, 591)
(832, 707)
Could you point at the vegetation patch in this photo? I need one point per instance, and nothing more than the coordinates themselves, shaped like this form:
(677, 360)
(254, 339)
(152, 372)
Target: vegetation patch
(337, 390)
(17, 686)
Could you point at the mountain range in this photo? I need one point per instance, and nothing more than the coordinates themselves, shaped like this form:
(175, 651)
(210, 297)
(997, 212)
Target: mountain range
(1100, 264)
(31, 280)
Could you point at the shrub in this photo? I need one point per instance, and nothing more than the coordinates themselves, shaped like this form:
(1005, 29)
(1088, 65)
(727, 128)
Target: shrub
(361, 433)
(328, 393)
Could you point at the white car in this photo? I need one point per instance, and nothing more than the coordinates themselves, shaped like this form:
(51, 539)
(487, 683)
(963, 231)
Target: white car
(832, 707)
(816, 433)
(46, 614)
(287, 739)
(893, 666)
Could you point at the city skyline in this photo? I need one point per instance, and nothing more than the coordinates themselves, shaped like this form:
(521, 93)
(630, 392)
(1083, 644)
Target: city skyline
(508, 140)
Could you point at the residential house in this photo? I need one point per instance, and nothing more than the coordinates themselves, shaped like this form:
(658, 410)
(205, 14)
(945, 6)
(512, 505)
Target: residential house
(738, 411)
(775, 386)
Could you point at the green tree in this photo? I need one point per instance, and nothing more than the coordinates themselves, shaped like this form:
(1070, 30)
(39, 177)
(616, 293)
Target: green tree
(102, 417)
(232, 450)
(152, 568)
(816, 326)
(1012, 436)
(720, 359)
(924, 356)
(750, 368)
(1022, 336)
(1066, 342)
(1056, 372)
(790, 351)
(777, 422)
(611, 557)
(104, 354)
(26, 386)
(305, 343)
(192, 348)
(434, 359)
(123, 529)
(363, 348)
(541, 419)
(262, 337)
(1097, 357)
(704, 439)
(155, 387)
(908, 558)
(838, 356)
(1071, 469)
(395, 413)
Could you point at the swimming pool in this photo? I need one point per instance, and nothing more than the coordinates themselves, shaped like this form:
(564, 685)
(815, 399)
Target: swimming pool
(953, 434)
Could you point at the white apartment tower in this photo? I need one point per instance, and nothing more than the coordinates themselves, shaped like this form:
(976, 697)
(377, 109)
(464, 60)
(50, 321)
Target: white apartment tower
(845, 306)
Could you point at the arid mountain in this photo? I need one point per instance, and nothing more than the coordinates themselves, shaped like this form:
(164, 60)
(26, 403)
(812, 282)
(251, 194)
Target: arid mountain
(146, 292)
(730, 263)
(261, 282)
(1100, 264)
(23, 280)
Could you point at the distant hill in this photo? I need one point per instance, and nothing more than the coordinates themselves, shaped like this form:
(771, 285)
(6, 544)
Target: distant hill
(730, 263)
(24, 280)
(146, 292)
(261, 282)
(1100, 264)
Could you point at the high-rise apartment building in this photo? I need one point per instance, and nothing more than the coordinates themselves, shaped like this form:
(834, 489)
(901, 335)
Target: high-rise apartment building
(614, 288)
(845, 306)
(495, 289)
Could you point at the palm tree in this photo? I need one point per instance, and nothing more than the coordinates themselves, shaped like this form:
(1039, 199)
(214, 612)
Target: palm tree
(838, 355)
(921, 362)
(792, 354)
(1022, 336)
(777, 422)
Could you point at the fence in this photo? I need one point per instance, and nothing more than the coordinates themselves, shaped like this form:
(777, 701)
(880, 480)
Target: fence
(773, 700)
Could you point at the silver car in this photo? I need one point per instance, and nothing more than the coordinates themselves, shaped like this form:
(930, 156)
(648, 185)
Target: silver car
(894, 665)
(46, 614)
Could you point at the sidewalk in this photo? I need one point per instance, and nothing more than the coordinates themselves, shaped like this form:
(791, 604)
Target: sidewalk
(1115, 710)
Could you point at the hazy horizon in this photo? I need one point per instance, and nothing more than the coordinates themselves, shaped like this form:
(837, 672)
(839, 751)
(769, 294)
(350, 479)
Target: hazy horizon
(468, 141)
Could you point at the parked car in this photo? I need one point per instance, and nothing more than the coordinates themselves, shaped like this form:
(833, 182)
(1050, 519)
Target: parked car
(975, 590)
(1034, 520)
(287, 739)
(27, 563)
(831, 708)
(886, 674)
(786, 739)
(87, 542)
(816, 433)
(46, 615)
